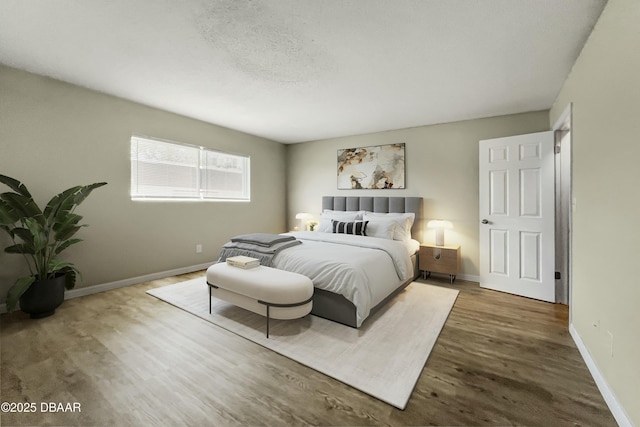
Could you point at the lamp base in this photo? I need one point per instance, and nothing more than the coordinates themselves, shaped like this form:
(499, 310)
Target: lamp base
(440, 237)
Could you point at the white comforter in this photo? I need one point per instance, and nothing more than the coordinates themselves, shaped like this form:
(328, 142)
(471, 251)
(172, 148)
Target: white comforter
(362, 269)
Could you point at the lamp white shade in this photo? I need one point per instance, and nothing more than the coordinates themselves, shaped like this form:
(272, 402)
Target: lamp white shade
(439, 223)
(439, 226)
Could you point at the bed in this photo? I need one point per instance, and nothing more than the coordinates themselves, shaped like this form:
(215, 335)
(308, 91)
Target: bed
(356, 275)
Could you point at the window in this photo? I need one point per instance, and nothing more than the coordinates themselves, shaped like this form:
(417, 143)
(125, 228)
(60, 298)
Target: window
(169, 170)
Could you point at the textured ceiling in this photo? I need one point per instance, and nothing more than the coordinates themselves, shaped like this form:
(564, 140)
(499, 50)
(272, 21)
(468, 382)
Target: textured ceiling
(300, 70)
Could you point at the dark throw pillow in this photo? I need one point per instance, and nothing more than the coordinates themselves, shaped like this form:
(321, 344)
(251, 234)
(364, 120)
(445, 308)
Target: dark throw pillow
(358, 228)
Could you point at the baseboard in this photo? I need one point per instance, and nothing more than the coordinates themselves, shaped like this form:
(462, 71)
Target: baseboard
(80, 292)
(609, 396)
(468, 277)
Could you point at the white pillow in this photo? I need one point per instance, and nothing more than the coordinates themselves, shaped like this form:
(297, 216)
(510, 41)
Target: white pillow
(382, 228)
(404, 222)
(326, 217)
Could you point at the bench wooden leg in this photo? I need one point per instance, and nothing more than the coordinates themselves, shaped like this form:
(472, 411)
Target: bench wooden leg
(267, 321)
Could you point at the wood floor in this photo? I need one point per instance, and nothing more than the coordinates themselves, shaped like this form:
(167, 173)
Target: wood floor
(130, 359)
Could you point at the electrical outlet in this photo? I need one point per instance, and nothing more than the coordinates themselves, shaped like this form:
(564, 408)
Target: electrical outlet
(198, 248)
(610, 342)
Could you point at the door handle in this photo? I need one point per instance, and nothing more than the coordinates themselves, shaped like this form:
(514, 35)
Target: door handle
(484, 221)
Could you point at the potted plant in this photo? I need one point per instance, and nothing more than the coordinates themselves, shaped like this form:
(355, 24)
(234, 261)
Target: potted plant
(40, 236)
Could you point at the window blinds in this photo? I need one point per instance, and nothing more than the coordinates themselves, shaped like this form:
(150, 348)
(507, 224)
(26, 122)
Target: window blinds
(168, 170)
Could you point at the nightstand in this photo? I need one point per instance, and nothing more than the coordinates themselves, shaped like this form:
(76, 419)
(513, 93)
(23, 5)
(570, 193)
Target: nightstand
(440, 259)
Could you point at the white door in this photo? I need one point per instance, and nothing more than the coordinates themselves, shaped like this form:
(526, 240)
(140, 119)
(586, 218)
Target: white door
(517, 209)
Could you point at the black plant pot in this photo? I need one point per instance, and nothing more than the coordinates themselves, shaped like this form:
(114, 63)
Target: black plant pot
(43, 297)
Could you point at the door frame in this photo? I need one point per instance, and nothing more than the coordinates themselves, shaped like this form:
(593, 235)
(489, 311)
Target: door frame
(564, 123)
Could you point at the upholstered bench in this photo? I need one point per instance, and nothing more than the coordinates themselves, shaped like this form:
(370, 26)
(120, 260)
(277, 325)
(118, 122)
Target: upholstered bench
(270, 292)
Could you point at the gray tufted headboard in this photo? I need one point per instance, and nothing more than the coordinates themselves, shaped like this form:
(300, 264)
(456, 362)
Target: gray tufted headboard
(379, 204)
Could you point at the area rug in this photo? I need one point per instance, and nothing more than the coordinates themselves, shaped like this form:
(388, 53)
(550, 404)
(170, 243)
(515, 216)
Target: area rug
(384, 358)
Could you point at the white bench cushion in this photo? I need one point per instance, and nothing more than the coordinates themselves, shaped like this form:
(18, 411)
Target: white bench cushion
(244, 288)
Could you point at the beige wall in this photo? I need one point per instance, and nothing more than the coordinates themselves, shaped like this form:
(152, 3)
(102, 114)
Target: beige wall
(54, 135)
(441, 167)
(604, 87)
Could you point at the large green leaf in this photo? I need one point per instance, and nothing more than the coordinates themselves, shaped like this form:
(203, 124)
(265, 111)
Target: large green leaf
(24, 206)
(67, 232)
(61, 204)
(24, 234)
(66, 244)
(8, 215)
(16, 291)
(70, 277)
(20, 248)
(65, 220)
(15, 185)
(65, 229)
(26, 237)
(39, 234)
(57, 264)
(86, 190)
(70, 271)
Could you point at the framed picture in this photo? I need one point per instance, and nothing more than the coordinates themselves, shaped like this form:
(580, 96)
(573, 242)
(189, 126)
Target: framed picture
(377, 167)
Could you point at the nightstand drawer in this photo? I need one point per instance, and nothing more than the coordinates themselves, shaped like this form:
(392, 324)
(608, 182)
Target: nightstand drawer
(440, 259)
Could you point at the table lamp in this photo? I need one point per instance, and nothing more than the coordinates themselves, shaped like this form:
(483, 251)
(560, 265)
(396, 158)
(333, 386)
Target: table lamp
(439, 226)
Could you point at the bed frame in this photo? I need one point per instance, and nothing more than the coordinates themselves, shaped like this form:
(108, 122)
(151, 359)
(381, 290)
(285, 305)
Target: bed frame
(336, 307)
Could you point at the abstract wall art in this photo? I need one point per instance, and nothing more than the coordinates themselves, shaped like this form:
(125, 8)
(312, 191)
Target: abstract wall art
(377, 167)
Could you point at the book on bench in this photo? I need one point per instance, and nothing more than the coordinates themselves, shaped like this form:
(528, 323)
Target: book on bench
(242, 261)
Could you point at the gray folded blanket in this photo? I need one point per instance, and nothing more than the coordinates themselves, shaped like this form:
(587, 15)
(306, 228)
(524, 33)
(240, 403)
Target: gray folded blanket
(262, 239)
(263, 253)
